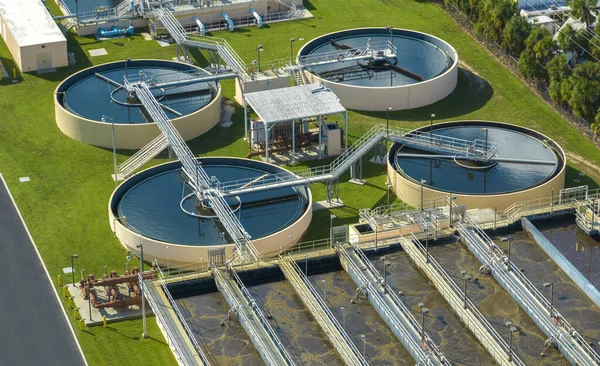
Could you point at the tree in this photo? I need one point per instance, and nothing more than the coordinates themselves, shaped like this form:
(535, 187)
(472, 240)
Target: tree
(530, 66)
(585, 90)
(535, 36)
(493, 16)
(543, 49)
(559, 71)
(582, 10)
(515, 33)
(595, 126)
(594, 44)
(566, 39)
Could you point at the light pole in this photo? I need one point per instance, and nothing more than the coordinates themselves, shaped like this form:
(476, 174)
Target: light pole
(423, 181)
(343, 318)
(259, 49)
(114, 146)
(331, 217)
(364, 339)
(73, 256)
(144, 333)
(126, 64)
(292, 49)
(77, 10)
(551, 285)
(324, 290)
(431, 127)
(467, 278)
(424, 311)
(168, 266)
(508, 240)
(511, 329)
(305, 265)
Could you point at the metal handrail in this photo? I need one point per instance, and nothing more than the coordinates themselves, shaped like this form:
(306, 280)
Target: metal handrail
(456, 290)
(317, 300)
(262, 318)
(496, 257)
(398, 302)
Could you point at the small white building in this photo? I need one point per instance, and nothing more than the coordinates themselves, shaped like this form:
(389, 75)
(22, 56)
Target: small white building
(544, 21)
(32, 36)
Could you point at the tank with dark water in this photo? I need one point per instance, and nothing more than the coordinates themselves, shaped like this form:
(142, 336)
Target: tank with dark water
(99, 91)
(159, 205)
(418, 57)
(523, 160)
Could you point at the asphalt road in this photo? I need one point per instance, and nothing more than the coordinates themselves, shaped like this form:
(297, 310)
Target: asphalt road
(33, 327)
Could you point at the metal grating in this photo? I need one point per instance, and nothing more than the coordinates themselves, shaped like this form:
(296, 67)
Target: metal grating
(296, 102)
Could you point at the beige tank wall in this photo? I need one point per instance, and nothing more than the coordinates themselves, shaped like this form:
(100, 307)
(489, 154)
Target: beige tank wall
(135, 136)
(188, 254)
(398, 97)
(409, 190)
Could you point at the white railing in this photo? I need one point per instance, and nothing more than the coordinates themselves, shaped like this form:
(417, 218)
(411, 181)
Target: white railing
(472, 317)
(571, 344)
(318, 307)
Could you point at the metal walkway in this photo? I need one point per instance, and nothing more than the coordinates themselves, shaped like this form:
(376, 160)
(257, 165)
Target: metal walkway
(183, 39)
(375, 50)
(476, 150)
(201, 184)
(455, 297)
(390, 307)
(587, 216)
(320, 311)
(170, 322)
(560, 333)
(251, 318)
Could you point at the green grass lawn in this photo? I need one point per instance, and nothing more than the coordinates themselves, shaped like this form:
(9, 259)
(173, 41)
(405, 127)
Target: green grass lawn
(65, 204)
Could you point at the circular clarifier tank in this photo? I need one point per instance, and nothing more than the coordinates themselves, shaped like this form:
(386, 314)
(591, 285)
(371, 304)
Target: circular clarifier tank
(88, 102)
(156, 208)
(525, 165)
(367, 73)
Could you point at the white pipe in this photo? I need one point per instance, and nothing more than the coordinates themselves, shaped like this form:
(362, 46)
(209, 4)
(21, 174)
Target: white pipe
(201, 27)
(259, 21)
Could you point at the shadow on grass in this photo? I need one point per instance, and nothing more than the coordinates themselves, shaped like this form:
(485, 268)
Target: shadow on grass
(471, 93)
(575, 178)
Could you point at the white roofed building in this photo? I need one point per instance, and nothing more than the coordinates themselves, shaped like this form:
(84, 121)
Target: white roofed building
(31, 35)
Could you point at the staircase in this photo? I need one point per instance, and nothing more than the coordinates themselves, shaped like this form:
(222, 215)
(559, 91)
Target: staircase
(141, 157)
(65, 25)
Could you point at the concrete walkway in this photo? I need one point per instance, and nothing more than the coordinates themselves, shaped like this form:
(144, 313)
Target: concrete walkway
(34, 328)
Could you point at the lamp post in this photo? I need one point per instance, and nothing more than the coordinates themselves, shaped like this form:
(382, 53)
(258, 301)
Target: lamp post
(343, 318)
(126, 64)
(305, 265)
(168, 266)
(424, 311)
(511, 329)
(508, 240)
(143, 286)
(259, 49)
(467, 278)
(292, 49)
(331, 217)
(423, 181)
(324, 290)
(114, 146)
(431, 127)
(77, 11)
(427, 248)
(364, 339)
(73, 256)
(551, 285)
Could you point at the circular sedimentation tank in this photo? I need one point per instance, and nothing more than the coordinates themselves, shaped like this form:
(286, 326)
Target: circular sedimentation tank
(157, 209)
(526, 165)
(85, 99)
(422, 70)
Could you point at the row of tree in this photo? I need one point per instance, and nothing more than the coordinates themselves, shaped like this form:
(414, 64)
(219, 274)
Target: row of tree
(571, 84)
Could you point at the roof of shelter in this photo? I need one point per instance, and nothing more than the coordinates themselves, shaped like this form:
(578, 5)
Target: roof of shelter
(296, 102)
(29, 22)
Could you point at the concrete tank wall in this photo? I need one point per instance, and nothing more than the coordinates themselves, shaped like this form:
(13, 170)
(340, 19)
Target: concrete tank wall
(409, 190)
(133, 136)
(398, 97)
(176, 254)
